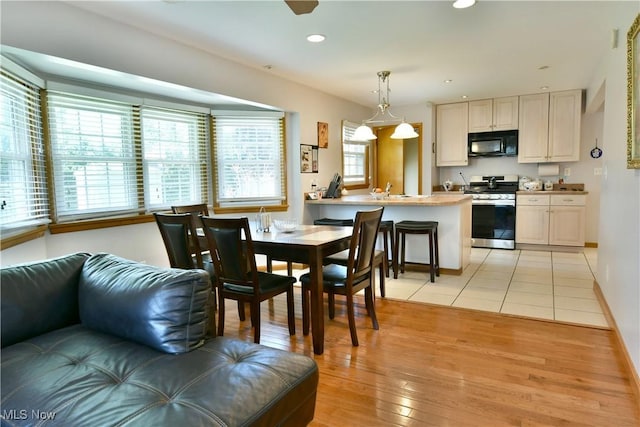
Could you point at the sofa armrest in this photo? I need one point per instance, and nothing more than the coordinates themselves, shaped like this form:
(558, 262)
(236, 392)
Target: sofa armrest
(39, 297)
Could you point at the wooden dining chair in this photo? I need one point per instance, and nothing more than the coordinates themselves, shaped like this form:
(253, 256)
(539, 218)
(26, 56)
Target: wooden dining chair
(349, 279)
(237, 275)
(183, 249)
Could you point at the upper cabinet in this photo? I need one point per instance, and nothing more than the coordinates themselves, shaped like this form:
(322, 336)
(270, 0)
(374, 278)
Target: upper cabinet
(452, 122)
(489, 115)
(549, 127)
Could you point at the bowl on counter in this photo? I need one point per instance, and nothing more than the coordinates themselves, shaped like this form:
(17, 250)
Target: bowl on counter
(380, 196)
(286, 225)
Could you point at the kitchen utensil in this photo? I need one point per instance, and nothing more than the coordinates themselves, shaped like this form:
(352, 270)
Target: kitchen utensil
(447, 185)
(492, 183)
(596, 153)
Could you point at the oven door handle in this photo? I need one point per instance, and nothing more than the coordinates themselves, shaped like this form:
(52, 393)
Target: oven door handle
(495, 202)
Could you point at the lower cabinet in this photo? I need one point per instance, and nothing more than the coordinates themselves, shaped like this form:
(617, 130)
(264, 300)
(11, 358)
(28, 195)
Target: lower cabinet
(556, 219)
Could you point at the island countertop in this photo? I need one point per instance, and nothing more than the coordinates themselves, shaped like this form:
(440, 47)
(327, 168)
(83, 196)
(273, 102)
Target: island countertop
(396, 200)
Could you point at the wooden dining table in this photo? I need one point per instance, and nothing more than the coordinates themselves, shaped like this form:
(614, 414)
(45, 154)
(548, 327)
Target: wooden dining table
(308, 244)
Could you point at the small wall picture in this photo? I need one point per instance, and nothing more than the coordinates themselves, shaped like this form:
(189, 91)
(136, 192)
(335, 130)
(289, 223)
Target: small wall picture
(323, 135)
(308, 159)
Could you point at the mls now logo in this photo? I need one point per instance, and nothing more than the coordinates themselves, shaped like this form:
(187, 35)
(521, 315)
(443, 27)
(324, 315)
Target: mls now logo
(23, 414)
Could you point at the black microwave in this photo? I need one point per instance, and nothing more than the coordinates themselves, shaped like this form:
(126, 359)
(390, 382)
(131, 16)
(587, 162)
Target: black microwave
(491, 144)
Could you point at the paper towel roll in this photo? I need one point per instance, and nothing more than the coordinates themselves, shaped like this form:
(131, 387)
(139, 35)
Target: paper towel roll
(548, 170)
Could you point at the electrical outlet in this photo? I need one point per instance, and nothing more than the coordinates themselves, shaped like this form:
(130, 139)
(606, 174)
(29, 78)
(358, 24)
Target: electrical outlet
(597, 171)
(567, 172)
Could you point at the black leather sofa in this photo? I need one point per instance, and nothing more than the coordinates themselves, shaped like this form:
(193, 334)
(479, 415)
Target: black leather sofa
(97, 340)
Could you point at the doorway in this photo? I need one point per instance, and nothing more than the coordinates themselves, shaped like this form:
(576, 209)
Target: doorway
(398, 161)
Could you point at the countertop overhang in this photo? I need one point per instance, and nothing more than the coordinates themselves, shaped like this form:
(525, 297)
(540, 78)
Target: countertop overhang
(396, 200)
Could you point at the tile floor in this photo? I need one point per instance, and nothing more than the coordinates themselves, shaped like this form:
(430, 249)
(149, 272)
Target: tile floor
(548, 285)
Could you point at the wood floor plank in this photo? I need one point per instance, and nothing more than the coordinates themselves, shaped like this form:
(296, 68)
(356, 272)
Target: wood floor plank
(430, 365)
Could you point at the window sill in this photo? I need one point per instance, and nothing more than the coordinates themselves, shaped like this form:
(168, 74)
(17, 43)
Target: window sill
(23, 237)
(99, 223)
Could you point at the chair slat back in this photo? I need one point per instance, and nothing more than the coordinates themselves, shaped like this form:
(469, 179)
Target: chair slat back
(179, 237)
(363, 242)
(232, 250)
(195, 211)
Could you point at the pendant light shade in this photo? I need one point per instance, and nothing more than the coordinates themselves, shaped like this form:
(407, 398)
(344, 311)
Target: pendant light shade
(383, 115)
(363, 133)
(404, 131)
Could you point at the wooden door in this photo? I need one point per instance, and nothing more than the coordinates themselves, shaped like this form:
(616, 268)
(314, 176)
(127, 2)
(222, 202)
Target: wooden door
(390, 160)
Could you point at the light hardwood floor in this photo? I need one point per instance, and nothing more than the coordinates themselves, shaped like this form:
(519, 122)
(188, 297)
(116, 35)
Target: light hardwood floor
(431, 365)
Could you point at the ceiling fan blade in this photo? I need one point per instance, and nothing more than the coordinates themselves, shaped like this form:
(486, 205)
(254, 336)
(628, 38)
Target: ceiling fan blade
(300, 7)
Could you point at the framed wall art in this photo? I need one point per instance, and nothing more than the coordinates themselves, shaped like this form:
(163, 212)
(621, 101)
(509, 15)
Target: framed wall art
(323, 135)
(633, 96)
(308, 159)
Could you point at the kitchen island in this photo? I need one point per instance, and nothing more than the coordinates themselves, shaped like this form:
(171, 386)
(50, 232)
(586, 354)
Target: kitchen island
(452, 211)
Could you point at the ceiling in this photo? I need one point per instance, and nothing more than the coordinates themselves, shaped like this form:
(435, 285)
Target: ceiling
(495, 48)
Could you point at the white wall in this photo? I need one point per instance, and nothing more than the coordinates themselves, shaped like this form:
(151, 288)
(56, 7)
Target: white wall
(619, 227)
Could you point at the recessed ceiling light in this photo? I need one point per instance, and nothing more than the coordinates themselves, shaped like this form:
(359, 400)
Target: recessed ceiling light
(448, 81)
(462, 4)
(544, 87)
(464, 96)
(315, 38)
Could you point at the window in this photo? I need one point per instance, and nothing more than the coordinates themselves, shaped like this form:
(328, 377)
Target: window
(249, 160)
(175, 157)
(114, 158)
(23, 191)
(94, 157)
(355, 158)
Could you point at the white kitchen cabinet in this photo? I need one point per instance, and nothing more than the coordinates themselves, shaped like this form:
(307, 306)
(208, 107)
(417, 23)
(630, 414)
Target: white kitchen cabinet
(551, 219)
(549, 127)
(567, 220)
(533, 128)
(452, 124)
(532, 219)
(565, 110)
(496, 114)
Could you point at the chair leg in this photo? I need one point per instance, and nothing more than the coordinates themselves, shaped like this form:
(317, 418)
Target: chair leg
(332, 305)
(305, 310)
(371, 308)
(395, 255)
(289, 268)
(382, 275)
(291, 314)
(241, 314)
(402, 251)
(432, 264)
(255, 321)
(221, 315)
(437, 251)
(352, 320)
(386, 253)
(393, 245)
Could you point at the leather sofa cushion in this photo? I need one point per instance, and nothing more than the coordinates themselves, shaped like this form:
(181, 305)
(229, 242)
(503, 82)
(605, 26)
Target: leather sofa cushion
(164, 308)
(87, 378)
(39, 297)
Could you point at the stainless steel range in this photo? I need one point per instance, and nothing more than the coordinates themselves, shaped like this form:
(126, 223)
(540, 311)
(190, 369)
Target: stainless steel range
(493, 218)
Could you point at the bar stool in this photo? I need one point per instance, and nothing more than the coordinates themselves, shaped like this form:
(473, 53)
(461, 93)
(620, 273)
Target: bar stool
(386, 228)
(380, 257)
(417, 227)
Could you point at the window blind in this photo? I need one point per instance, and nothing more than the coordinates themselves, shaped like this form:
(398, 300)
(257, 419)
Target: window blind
(23, 191)
(175, 157)
(95, 157)
(355, 156)
(249, 160)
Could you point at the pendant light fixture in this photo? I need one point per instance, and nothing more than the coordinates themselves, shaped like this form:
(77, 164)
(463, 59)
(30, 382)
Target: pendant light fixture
(383, 115)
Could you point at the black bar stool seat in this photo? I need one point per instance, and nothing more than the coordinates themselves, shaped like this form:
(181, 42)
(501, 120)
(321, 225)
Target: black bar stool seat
(417, 227)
